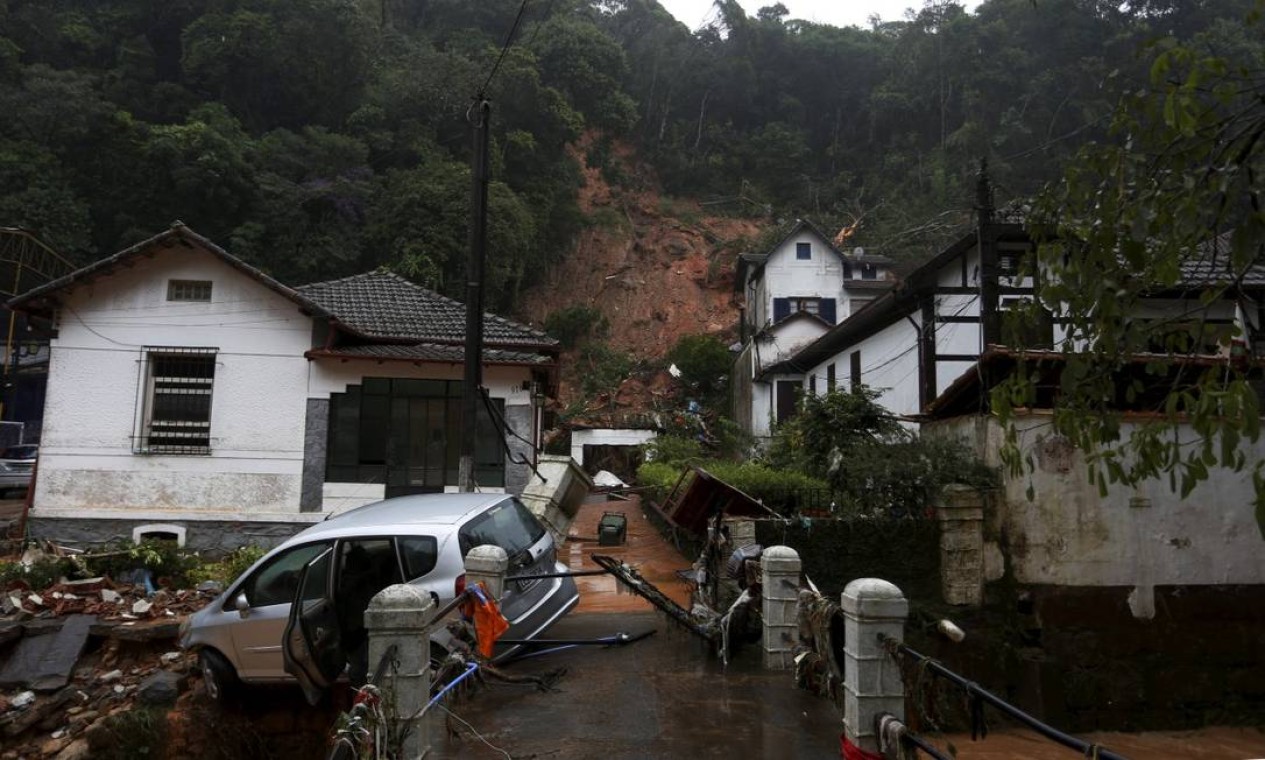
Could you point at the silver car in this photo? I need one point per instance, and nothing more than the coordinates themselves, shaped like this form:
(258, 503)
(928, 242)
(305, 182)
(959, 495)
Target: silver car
(16, 466)
(348, 558)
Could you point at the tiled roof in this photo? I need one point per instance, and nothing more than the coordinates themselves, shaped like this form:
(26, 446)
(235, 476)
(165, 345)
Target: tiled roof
(384, 305)
(428, 352)
(1212, 264)
(177, 235)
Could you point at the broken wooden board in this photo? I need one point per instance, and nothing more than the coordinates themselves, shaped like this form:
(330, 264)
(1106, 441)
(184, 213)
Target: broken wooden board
(45, 663)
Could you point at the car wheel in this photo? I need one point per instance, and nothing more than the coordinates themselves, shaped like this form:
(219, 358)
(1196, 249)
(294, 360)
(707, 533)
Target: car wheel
(217, 675)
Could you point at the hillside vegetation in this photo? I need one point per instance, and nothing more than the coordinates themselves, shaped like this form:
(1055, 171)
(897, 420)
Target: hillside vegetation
(317, 138)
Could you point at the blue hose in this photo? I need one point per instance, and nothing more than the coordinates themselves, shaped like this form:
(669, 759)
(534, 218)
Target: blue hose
(469, 669)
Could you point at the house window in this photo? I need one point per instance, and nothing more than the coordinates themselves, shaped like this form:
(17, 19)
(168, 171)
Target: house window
(189, 290)
(803, 251)
(176, 410)
(812, 384)
(856, 304)
(855, 370)
(1011, 258)
(869, 272)
(830, 378)
(788, 393)
(809, 305)
(406, 434)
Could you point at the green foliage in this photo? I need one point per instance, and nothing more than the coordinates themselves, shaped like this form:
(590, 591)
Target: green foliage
(228, 569)
(830, 427)
(904, 476)
(763, 482)
(1183, 165)
(573, 324)
(164, 558)
(705, 363)
(673, 450)
(42, 573)
(603, 369)
(871, 462)
(304, 131)
(774, 487)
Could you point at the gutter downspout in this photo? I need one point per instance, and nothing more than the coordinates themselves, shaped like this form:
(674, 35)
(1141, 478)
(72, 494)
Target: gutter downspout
(918, 336)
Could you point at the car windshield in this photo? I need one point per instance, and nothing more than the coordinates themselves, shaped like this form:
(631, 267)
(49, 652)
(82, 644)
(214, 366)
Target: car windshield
(19, 452)
(508, 525)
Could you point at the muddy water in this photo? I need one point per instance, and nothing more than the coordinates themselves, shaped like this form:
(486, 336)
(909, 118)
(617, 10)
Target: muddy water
(645, 549)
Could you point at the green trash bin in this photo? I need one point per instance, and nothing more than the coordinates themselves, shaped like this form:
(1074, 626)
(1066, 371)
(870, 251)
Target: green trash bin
(612, 529)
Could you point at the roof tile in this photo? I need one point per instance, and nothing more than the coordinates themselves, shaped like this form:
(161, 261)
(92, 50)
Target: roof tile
(384, 305)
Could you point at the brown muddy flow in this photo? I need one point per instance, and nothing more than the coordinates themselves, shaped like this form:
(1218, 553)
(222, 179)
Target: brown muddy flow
(645, 549)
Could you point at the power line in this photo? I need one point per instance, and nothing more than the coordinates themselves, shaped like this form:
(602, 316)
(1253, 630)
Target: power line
(509, 40)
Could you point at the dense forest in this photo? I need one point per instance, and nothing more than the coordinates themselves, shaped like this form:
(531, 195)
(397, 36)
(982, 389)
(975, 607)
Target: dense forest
(317, 138)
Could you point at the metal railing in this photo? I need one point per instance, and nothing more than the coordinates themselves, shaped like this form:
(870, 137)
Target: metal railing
(980, 696)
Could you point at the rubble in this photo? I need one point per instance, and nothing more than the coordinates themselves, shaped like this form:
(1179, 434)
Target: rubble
(54, 689)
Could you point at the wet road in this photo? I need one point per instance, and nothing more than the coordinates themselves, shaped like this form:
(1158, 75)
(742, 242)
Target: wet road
(666, 697)
(662, 697)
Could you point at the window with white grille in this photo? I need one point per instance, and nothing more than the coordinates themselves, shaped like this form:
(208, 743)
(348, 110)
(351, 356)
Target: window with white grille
(176, 411)
(189, 290)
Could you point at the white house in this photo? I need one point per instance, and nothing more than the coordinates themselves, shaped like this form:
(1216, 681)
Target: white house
(790, 296)
(934, 349)
(191, 394)
(914, 342)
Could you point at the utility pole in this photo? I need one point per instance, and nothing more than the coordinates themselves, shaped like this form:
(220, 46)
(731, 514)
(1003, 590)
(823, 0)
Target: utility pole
(478, 116)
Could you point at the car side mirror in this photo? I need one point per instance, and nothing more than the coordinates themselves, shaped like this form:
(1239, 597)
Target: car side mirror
(242, 605)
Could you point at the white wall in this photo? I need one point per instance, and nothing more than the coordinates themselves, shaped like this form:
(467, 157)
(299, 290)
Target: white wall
(606, 437)
(783, 341)
(87, 467)
(889, 364)
(1069, 535)
(787, 277)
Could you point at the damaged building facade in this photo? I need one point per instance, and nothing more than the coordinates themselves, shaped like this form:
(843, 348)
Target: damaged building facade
(192, 396)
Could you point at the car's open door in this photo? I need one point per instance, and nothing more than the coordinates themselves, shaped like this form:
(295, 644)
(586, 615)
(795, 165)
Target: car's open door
(312, 646)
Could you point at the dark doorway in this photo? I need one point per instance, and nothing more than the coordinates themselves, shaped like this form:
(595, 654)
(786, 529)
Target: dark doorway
(788, 392)
(623, 461)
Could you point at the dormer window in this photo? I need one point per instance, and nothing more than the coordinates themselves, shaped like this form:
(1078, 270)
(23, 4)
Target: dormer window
(804, 251)
(189, 290)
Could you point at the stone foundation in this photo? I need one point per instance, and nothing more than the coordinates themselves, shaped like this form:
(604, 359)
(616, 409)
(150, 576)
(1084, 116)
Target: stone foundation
(210, 537)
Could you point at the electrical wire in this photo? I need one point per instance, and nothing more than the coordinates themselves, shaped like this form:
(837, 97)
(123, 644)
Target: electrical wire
(509, 40)
(477, 735)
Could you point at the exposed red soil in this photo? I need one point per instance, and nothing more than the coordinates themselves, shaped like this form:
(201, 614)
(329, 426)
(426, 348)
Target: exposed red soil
(657, 268)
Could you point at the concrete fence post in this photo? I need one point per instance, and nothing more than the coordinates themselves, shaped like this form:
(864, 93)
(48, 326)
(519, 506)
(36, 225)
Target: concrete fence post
(780, 567)
(488, 564)
(872, 608)
(961, 515)
(400, 615)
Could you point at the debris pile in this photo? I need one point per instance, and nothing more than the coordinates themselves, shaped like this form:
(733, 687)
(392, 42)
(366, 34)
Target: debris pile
(100, 597)
(72, 721)
(76, 652)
